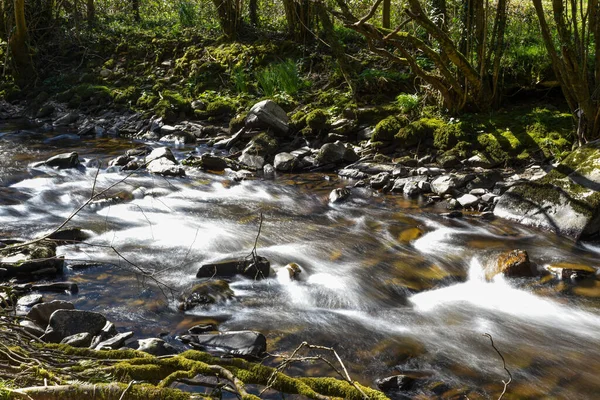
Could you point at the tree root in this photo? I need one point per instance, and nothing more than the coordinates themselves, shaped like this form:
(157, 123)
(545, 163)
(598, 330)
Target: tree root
(57, 371)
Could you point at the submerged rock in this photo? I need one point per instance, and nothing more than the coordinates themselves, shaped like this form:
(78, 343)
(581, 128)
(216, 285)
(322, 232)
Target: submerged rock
(243, 266)
(239, 343)
(566, 200)
(205, 293)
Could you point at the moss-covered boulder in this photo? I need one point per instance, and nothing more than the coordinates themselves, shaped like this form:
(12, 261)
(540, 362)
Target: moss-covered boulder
(31, 261)
(418, 132)
(387, 128)
(566, 200)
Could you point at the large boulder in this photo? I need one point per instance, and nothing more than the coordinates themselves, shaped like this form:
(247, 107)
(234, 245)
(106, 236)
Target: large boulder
(250, 267)
(565, 201)
(285, 162)
(40, 313)
(333, 153)
(267, 114)
(240, 344)
(65, 323)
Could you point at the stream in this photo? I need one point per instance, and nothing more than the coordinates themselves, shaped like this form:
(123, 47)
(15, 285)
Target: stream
(391, 285)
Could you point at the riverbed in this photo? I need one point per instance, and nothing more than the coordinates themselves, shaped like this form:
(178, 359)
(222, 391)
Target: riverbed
(391, 284)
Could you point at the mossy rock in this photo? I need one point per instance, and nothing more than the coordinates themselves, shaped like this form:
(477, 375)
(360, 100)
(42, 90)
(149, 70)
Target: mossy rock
(388, 127)
(449, 135)
(217, 108)
(147, 101)
(171, 105)
(130, 94)
(566, 200)
(317, 120)
(298, 121)
(236, 123)
(418, 132)
(263, 144)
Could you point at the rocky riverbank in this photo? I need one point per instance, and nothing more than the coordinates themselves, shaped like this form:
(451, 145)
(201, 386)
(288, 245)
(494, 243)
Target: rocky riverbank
(404, 160)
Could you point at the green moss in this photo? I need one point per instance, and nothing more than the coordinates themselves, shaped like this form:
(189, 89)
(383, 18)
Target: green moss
(236, 123)
(147, 101)
(449, 135)
(387, 128)
(493, 149)
(110, 64)
(171, 105)
(298, 121)
(317, 120)
(130, 94)
(263, 145)
(418, 131)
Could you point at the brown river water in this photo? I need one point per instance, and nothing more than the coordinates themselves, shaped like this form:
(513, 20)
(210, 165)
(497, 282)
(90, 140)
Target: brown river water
(392, 286)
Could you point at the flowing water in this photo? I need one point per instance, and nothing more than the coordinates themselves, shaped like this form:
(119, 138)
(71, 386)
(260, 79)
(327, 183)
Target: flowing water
(390, 285)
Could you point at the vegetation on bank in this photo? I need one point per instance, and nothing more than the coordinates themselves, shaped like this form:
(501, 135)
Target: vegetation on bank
(368, 60)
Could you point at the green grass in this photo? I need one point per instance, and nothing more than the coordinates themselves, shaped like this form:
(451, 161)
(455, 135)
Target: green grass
(282, 77)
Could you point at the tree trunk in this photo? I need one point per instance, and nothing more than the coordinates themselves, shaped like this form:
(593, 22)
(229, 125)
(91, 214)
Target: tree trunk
(19, 48)
(229, 15)
(253, 10)
(2, 20)
(135, 6)
(386, 17)
(91, 13)
(300, 18)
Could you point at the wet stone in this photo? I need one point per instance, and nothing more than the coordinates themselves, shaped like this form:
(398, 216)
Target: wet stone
(338, 195)
(244, 266)
(238, 343)
(205, 293)
(58, 287)
(198, 329)
(514, 263)
(29, 300)
(63, 161)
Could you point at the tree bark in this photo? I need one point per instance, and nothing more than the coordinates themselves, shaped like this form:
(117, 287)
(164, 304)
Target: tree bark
(229, 15)
(19, 48)
(91, 13)
(253, 11)
(386, 17)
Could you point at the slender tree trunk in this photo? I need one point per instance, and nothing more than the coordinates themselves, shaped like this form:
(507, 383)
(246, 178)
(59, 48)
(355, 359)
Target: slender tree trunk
(135, 6)
(91, 13)
(300, 18)
(2, 19)
(386, 17)
(253, 10)
(19, 48)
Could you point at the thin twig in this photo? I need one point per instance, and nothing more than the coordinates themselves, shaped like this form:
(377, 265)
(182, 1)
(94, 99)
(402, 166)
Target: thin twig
(503, 365)
(126, 389)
